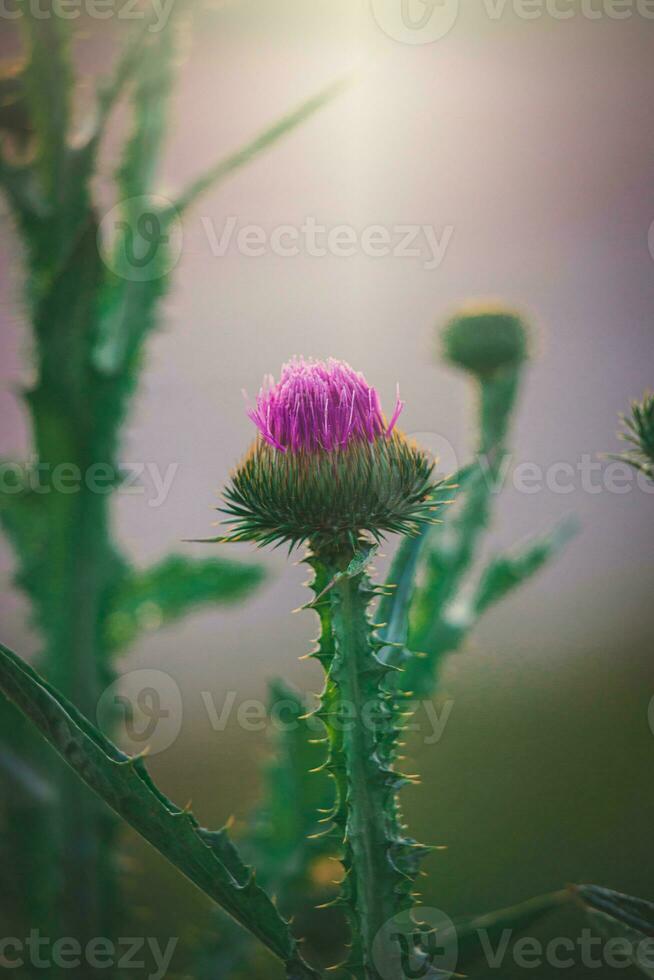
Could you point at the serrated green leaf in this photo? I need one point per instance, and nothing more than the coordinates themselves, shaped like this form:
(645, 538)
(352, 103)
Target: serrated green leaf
(506, 572)
(295, 793)
(618, 916)
(360, 561)
(493, 925)
(124, 784)
(395, 606)
(167, 591)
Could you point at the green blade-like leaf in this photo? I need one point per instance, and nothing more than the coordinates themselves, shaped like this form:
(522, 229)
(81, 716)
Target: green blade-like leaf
(492, 925)
(469, 940)
(617, 916)
(124, 784)
(170, 589)
(506, 572)
(395, 605)
(261, 142)
(396, 601)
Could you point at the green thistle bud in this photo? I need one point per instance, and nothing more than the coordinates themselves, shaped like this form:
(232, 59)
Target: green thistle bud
(326, 466)
(484, 341)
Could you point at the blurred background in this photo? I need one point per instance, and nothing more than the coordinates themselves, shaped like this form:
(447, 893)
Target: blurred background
(526, 144)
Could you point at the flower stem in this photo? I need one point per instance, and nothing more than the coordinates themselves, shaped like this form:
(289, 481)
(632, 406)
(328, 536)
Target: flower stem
(358, 712)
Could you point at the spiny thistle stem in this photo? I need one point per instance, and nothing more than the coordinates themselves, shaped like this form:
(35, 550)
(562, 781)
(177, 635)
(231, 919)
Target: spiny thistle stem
(358, 712)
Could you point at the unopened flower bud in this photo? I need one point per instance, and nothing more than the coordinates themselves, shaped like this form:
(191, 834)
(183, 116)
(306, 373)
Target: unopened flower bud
(485, 340)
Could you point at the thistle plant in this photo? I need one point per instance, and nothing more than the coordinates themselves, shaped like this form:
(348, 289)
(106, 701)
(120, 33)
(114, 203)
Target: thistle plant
(327, 471)
(639, 433)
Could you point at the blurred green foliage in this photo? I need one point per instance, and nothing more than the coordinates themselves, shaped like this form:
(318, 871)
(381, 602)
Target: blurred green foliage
(92, 301)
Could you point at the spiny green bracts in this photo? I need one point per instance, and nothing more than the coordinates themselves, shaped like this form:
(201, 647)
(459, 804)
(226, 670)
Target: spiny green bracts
(381, 487)
(484, 340)
(639, 431)
(326, 466)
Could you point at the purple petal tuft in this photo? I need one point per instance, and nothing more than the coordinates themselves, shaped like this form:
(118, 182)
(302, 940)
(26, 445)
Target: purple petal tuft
(318, 405)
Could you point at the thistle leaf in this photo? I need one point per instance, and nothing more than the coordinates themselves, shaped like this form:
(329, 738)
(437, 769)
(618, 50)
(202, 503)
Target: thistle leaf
(493, 925)
(504, 573)
(170, 589)
(281, 840)
(262, 142)
(396, 601)
(206, 858)
(615, 915)
(395, 606)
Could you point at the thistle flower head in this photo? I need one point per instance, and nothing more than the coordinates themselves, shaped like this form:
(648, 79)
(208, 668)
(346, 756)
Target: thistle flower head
(639, 433)
(485, 340)
(326, 464)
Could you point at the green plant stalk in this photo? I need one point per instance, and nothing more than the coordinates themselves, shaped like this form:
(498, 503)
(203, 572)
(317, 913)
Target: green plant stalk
(358, 712)
(451, 547)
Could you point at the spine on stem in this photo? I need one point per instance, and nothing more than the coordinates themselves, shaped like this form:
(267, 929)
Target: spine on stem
(359, 714)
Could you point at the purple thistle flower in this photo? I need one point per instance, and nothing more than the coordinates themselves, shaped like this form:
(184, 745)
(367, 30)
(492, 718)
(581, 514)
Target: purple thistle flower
(319, 405)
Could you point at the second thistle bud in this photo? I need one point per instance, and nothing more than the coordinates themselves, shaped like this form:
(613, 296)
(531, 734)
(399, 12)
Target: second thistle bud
(326, 464)
(485, 341)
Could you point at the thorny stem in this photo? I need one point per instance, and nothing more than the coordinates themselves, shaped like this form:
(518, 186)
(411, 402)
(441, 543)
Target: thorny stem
(358, 712)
